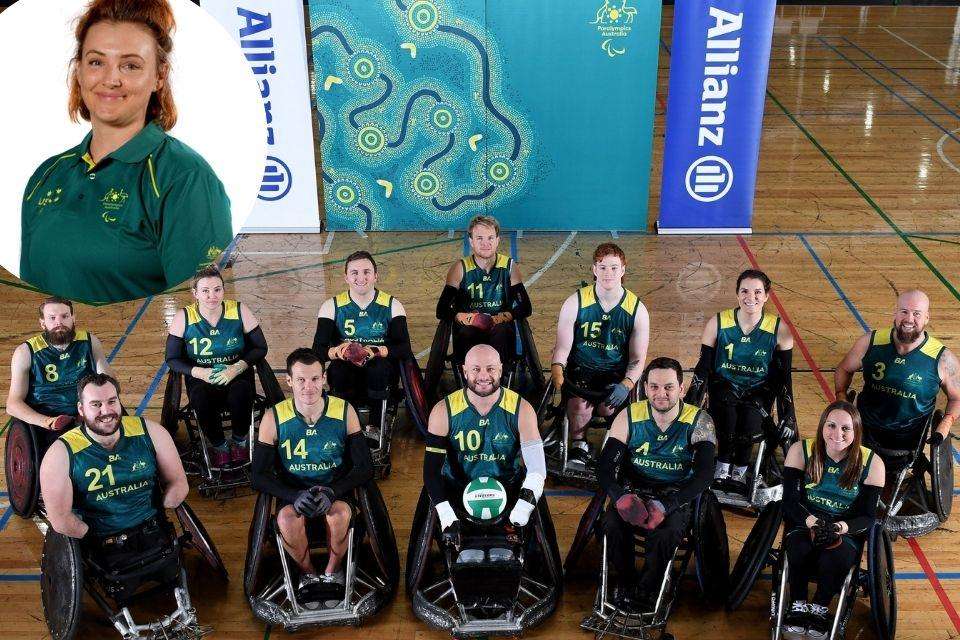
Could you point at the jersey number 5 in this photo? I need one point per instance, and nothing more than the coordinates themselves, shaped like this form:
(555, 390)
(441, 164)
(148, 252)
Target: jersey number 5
(348, 327)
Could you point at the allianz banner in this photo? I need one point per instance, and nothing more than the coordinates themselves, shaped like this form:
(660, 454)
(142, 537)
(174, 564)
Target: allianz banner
(539, 112)
(271, 36)
(718, 78)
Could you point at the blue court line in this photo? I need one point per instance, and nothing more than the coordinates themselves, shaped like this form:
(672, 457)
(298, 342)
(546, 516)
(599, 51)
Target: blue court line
(5, 518)
(129, 329)
(850, 305)
(901, 575)
(19, 577)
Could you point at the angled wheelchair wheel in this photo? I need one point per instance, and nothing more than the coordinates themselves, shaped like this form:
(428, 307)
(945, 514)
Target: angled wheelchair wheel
(22, 468)
(172, 397)
(585, 531)
(421, 540)
(414, 394)
(259, 543)
(383, 542)
(755, 554)
(533, 385)
(201, 540)
(941, 475)
(711, 549)
(881, 583)
(438, 355)
(268, 382)
(61, 584)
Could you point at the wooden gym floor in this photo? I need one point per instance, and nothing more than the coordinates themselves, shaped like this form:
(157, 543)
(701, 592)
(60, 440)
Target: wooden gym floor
(857, 198)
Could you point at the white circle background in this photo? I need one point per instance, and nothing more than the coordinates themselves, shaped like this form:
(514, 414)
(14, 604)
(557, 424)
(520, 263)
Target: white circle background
(220, 112)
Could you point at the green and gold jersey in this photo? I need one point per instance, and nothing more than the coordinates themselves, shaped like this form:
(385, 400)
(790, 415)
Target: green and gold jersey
(660, 457)
(141, 220)
(208, 345)
(483, 445)
(312, 453)
(482, 291)
(743, 359)
(601, 339)
(368, 325)
(113, 488)
(54, 373)
(898, 389)
(828, 497)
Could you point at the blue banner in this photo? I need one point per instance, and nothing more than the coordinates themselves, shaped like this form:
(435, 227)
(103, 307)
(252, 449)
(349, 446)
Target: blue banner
(718, 77)
(538, 112)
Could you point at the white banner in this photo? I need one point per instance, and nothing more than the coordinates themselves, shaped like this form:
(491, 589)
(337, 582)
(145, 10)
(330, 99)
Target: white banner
(271, 35)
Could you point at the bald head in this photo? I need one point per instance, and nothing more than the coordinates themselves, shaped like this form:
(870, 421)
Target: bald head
(911, 316)
(913, 299)
(482, 370)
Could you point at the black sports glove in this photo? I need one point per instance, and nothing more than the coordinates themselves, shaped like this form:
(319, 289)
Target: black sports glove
(451, 535)
(323, 497)
(617, 396)
(306, 504)
(825, 534)
(935, 439)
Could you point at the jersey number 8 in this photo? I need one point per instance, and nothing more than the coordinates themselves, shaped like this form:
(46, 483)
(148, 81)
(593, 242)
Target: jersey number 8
(50, 372)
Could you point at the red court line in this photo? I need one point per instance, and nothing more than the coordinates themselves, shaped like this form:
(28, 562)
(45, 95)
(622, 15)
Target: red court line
(914, 545)
(660, 101)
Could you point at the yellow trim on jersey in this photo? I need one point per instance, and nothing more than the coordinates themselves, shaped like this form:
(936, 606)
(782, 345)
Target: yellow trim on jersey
(284, 411)
(639, 411)
(82, 335)
(75, 440)
(132, 426)
(727, 319)
(193, 314)
(342, 299)
(383, 299)
(808, 447)
(46, 173)
(502, 261)
(336, 408)
(509, 400)
(768, 323)
(37, 343)
(880, 338)
(469, 264)
(688, 412)
(630, 301)
(588, 297)
(153, 175)
(932, 347)
(436, 450)
(231, 309)
(86, 157)
(457, 402)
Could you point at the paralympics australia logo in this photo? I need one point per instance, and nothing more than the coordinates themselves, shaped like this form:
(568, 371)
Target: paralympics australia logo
(614, 22)
(112, 201)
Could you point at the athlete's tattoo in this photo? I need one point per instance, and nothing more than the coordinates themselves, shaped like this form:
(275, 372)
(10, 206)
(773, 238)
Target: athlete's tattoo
(703, 429)
(951, 368)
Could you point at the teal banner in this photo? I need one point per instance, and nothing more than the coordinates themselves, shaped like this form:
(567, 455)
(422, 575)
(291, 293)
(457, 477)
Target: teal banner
(539, 112)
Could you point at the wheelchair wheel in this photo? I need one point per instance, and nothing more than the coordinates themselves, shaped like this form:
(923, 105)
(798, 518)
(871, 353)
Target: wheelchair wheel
(414, 394)
(438, 355)
(941, 475)
(268, 381)
(61, 585)
(258, 539)
(22, 467)
(711, 548)
(881, 583)
(532, 389)
(201, 540)
(172, 396)
(755, 554)
(382, 539)
(421, 540)
(585, 531)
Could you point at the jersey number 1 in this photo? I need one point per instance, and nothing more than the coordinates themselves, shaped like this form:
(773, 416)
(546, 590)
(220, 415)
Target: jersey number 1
(476, 290)
(729, 349)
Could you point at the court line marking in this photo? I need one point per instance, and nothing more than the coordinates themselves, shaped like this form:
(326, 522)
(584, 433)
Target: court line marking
(940, 152)
(916, 48)
(528, 284)
(917, 551)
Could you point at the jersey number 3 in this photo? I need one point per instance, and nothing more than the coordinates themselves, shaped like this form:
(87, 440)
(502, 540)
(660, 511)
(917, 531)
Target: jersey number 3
(878, 370)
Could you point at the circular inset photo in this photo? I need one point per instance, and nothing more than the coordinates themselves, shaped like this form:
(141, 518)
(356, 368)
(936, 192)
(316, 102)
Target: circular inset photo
(135, 136)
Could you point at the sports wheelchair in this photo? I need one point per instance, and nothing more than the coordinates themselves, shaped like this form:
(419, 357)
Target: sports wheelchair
(215, 482)
(371, 566)
(23, 452)
(68, 568)
(876, 581)
(705, 542)
(523, 374)
(500, 581)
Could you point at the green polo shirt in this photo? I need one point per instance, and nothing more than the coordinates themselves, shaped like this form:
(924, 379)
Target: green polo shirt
(141, 220)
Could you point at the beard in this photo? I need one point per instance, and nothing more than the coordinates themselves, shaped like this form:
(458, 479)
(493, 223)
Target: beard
(60, 337)
(98, 428)
(666, 410)
(494, 387)
(906, 337)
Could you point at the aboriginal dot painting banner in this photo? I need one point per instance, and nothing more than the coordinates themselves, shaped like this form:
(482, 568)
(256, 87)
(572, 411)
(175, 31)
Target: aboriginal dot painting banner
(539, 112)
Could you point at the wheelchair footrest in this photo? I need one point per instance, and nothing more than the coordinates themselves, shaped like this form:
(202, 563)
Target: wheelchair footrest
(912, 526)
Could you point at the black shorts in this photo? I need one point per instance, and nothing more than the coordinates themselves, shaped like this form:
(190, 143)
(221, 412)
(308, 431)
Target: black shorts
(590, 384)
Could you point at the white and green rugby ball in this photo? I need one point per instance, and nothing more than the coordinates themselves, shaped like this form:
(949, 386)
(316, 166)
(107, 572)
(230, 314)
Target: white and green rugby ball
(485, 498)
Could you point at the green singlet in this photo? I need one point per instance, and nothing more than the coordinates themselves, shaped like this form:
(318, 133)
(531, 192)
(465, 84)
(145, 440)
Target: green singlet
(483, 445)
(658, 457)
(898, 389)
(743, 359)
(367, 325)
(113, 489)
(312, 453)
(828, 497)
(54, 373)
(482, 291)
(601, 338)
(208, 345)
(141, 220)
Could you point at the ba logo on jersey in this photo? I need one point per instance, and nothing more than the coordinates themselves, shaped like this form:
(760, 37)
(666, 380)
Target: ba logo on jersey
(745, 339)
(899, 361)
(64, 356)
(484, 422)
(661, 437)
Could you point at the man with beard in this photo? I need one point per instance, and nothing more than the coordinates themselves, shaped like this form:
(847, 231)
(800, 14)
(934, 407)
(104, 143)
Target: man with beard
(483, 294)
(602, 338)
(903, 370)
(664, 451)
(478, 431)
(102, 481)
(45, 370)
(311, 455)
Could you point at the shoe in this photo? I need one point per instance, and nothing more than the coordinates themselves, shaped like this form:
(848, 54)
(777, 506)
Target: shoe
(722, 471)
(737, 481)
(333, 583)
(240, 452)
(307, 591)
(219, 456)
(819, 623)
(795, 623)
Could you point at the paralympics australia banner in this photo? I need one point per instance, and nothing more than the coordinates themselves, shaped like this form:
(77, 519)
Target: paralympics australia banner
(539, 112)
(718, 76)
